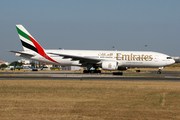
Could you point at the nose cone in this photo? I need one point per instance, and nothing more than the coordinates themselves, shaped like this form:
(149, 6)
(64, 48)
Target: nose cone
(172, 61)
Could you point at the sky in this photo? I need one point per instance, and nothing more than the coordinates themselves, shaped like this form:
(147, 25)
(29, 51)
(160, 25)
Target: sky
(92, 25)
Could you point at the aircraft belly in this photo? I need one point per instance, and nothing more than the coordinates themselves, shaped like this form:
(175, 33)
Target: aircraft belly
(67, 62)
(142, 64)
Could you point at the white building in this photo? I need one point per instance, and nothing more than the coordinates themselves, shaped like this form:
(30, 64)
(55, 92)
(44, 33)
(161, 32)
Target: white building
(4, 62)
(71, 68)
(24, 61)
(177, 59)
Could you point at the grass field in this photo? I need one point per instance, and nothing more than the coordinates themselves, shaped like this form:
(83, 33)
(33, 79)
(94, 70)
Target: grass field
(89, 100)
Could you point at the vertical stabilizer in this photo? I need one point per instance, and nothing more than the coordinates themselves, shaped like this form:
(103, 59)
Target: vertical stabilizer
(30, 44)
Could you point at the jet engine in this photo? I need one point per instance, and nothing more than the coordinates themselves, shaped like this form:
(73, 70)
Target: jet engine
(109, 65)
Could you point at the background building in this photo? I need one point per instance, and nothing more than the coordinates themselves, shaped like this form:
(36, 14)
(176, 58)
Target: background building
(3, 62)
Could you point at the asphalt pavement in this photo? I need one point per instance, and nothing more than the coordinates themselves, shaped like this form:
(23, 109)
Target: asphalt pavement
(58, 75)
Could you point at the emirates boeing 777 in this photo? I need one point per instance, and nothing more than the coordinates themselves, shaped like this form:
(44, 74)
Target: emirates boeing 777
(107, 60)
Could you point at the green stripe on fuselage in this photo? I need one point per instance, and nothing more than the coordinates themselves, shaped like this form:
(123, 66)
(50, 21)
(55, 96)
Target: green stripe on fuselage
(23, 34)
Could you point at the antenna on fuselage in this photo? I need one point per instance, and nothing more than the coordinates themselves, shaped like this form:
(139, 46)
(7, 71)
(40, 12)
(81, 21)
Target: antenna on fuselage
(61, 48)
(145, 46)
(113, 47)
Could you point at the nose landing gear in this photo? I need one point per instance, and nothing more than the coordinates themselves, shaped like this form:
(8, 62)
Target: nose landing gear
(159, 71)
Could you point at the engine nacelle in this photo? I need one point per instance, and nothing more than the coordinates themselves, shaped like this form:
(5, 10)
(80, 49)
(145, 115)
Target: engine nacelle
(109, 65)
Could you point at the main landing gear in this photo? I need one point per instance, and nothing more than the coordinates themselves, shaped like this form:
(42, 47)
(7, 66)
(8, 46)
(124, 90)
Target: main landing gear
(92, 69)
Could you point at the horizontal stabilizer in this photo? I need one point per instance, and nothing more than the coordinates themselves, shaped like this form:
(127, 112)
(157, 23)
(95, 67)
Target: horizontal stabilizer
(21, 53)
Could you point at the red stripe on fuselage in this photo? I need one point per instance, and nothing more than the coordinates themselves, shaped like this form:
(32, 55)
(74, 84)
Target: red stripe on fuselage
(41, 50)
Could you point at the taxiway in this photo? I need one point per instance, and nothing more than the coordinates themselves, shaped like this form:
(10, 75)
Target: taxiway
(58, 75)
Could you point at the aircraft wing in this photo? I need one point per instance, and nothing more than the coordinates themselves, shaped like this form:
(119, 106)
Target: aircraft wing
(81, 59)
(21, 53)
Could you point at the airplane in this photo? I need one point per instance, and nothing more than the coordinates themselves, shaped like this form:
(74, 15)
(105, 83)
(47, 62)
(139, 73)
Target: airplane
(107, 60)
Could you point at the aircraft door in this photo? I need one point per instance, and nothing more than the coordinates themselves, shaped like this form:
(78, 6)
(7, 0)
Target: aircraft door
(156, 57)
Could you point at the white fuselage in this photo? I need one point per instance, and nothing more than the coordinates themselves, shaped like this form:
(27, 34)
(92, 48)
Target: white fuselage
(108, 60)
(124, 58)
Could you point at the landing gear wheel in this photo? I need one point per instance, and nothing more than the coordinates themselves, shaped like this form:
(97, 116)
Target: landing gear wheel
(85, 71)
(159, 71)
(91, 71)
(117, 73)
(97, 71)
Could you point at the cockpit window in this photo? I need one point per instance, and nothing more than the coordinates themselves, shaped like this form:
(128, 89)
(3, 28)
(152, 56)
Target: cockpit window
(169, 57)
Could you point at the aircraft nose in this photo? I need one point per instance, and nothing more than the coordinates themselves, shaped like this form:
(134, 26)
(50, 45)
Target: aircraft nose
(173, 61)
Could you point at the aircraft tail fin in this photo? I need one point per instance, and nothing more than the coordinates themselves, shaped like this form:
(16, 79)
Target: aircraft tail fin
(28, 42)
